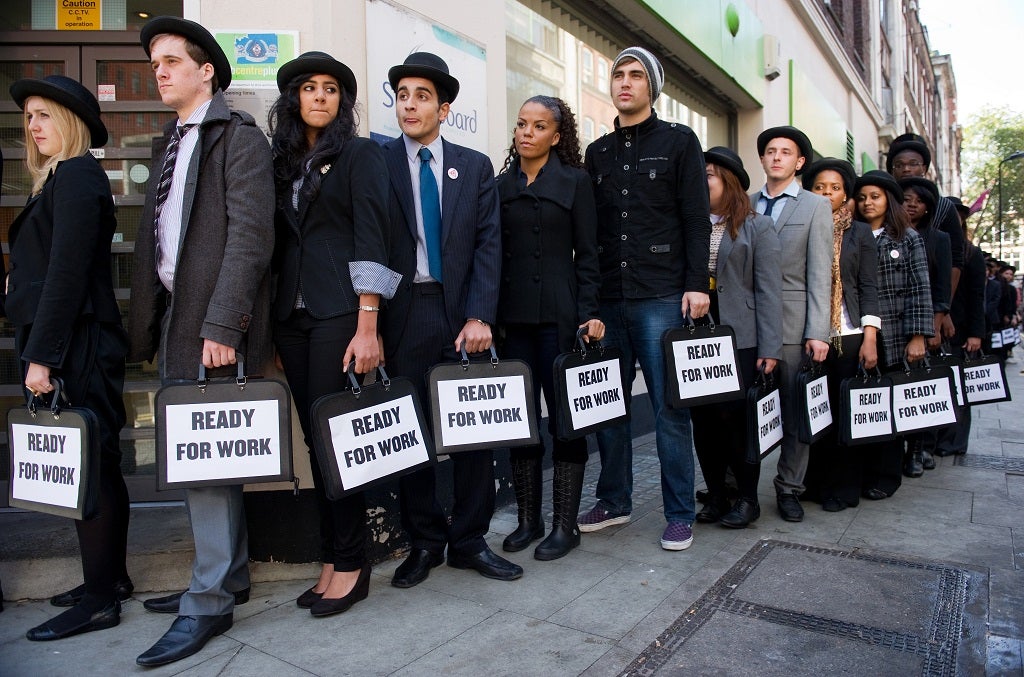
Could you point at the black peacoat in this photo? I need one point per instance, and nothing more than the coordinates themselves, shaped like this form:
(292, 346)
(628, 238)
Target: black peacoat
(550, 271)
(60, 260)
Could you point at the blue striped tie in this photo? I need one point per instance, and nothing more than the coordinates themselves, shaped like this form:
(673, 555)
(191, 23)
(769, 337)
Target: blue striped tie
(430, 203)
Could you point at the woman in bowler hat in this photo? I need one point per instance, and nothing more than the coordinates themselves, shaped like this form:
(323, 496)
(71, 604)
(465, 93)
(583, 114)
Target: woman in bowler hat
(330, 258)
(745, 284)
(60, 299)
(834, 471)
(904, 303)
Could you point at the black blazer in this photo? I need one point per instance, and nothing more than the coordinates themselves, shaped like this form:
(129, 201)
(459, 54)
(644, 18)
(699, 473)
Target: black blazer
(470, 239)
(60, 260)
(347, 220)
(549, 270)
(940, 266)
(968, 307)
(858, 269)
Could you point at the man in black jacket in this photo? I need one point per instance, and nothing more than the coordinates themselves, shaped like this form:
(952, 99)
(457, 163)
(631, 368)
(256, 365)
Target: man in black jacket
(653, 233)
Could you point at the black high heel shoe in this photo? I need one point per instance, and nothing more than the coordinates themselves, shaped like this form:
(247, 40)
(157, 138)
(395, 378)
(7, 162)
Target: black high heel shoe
(359, 592)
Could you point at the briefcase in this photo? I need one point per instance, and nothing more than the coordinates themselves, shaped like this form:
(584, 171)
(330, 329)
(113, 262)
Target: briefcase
(222, 432)
(764, 416)
(922, 397)
(589, 391)
(55, 456)
(946, 358)
(369, 434)
(482, 404)
(865, 405)
(701, 365)
(985, 380)
(815, 411)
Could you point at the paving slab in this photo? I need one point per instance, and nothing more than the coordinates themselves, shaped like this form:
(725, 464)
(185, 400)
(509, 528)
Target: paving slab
(513, 645)
(796, 630)
(1005, 656)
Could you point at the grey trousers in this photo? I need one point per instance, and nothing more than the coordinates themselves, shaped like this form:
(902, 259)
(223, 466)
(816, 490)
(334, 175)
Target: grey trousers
(793, 458)
(221, 565)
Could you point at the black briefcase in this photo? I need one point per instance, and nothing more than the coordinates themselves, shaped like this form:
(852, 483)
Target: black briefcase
(369, 434)
(814, 417)
(589, 393)
(222, 432)
(701, 365)
(984, 379)
(865, 404)
(764, 416)
(55, 457)
(923, 397)
(482, 405)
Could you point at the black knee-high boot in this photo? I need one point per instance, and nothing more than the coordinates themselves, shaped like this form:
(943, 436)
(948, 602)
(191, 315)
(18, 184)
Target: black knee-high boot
(526, 482)
(565, 533)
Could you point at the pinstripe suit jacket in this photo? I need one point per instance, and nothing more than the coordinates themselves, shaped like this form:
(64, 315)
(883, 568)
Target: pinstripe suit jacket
(470, 239)
(805, 233)
(904, 293)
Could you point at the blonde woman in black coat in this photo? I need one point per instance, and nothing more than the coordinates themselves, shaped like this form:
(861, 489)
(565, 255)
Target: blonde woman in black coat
(549, 287)
(330, 259)
(60, 299)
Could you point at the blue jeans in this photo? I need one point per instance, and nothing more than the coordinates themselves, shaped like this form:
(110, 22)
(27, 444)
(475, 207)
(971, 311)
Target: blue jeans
(635, 327)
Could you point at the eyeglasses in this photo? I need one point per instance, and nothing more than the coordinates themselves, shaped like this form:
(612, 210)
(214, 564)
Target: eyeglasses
(913, 164)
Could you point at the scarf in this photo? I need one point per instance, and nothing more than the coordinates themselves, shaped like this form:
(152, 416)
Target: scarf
(841, 220)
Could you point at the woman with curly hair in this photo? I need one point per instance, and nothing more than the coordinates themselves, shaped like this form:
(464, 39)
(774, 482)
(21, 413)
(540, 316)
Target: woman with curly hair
(549, 288)
(330, 258)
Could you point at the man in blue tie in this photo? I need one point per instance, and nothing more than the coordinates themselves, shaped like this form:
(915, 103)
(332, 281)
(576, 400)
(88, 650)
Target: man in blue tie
(446, 243)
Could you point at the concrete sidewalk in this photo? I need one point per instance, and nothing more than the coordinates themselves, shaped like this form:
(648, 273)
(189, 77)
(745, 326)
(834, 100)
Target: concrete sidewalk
(602, 607)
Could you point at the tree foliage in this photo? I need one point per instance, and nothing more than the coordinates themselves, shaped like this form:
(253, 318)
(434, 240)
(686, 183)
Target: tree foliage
(991, 136)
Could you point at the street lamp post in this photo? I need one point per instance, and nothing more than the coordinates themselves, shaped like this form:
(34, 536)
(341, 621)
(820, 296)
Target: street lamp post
(1012, 156)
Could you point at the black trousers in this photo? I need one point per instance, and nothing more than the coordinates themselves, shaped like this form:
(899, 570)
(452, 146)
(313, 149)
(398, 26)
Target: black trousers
(311, 351)
(883, 461)
(835, 470)
(429, 341)
(720, 436)
(93, 375)
(537, 345)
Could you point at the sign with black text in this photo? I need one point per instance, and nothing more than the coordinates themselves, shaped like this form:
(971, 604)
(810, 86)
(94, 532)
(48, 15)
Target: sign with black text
(985, 381)
(701, 363)
(46, 464)
(482, 410)
(923, 403)
(819, 410)
(595, 393)
(769, 421)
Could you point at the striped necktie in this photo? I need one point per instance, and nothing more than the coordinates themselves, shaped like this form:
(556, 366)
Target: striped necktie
(163, 189)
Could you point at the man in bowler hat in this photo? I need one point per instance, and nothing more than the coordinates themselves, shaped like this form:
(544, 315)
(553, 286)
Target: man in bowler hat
(200, 293)
(446, 244)
(804, 223)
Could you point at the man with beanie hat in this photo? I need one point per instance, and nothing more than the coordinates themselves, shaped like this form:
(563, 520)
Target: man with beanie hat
(201, 293)
(654, 231)
(804, 222)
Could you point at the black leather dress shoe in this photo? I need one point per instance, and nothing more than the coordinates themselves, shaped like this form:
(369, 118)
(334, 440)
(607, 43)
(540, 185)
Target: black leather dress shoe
(790, 508)
(833, 504)
(714, 507)
(187, 635)
(169, 604)
(487, 564)
(742, 514)
(927, 460)
(874, 494)
(326, 606)
(416, 567)
(122, 590)
(71, 623)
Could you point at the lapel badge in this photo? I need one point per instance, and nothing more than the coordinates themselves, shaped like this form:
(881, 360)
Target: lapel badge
(453, 173)
(894, 253)
(326, 168)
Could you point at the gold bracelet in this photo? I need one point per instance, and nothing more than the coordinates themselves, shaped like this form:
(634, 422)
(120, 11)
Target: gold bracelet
(370, 309)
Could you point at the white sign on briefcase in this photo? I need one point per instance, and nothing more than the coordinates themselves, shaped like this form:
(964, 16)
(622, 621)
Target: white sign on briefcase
(47, 465)
(769, 421)
(923, 404)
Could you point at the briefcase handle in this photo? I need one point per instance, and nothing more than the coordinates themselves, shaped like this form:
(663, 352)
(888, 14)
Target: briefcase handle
(764, 381)
(58, 395)
(807, 363)
(864, 374)
(583, 346)
(692, 326)
(924, 362)
(240, 379)
(356, 388)
(465, 357)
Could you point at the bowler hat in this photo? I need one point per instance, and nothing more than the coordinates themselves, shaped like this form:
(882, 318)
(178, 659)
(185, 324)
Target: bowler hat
(725, 157)
(844, 168)
(960, 206)
(785, 132)
(313, 63)
(914, 142)
(927, 190)
(876, 177)
(195, 33)
(68, 93)
(428, 66)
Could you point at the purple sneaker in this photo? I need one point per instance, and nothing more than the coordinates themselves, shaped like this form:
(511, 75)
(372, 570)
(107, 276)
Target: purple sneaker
(677, 536)
(598, 518)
